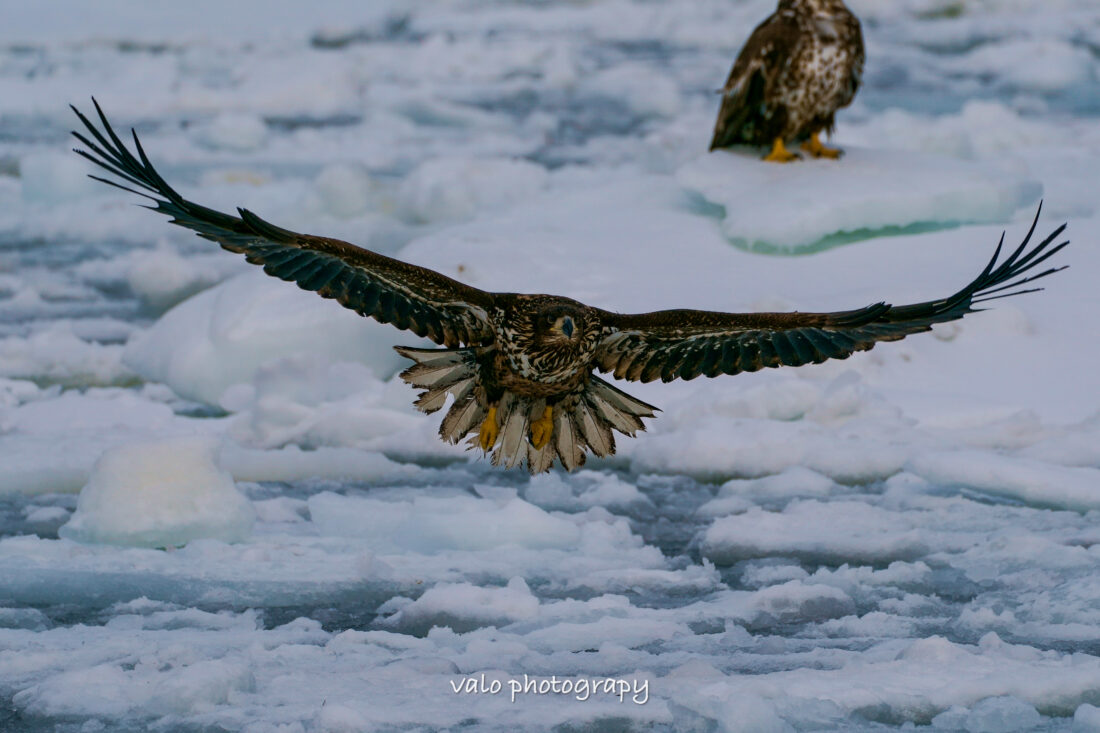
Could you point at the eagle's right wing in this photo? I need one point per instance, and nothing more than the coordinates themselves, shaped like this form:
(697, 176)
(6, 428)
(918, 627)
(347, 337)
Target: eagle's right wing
(770, 45)
(409, 297)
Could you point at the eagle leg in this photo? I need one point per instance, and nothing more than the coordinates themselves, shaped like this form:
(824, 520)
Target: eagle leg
(543, 428)
(487, 436)
(814, 147)
(780, 154)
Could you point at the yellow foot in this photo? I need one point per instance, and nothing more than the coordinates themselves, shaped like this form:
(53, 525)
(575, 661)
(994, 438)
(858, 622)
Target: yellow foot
(542, 429)
(487, 437)
(779, 153)
(814, 147)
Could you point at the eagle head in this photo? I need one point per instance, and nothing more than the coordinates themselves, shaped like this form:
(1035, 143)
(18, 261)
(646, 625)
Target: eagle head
(559, 324)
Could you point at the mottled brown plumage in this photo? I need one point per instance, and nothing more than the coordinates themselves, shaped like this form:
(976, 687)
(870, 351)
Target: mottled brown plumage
(519, 368)
(796, 70)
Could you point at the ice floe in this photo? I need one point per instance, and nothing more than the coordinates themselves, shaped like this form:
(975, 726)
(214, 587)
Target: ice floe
(874, 192)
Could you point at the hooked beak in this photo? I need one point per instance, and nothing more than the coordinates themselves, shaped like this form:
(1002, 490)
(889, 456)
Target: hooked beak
(567, 327)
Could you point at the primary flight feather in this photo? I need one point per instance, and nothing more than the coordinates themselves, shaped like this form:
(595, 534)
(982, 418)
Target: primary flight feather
(519, 369)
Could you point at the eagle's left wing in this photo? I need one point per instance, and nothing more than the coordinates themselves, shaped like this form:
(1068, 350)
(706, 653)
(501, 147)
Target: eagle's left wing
(683, 344)
(409, 297)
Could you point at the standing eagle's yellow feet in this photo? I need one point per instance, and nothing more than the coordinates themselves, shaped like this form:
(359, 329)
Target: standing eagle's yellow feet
(779, 153)
(814, 147)
(542, 429)
(487, 436)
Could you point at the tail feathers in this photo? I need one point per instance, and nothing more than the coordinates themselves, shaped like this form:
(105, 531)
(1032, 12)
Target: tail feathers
(437, 368)
(583, 421)
(515, 417)
(467, 413)
(617, 408)
(596, 432)
(433, 400)
(440, 372)
(540, 460)
(566, 441)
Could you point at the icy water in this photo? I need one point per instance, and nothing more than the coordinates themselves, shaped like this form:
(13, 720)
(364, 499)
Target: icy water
(908, 539)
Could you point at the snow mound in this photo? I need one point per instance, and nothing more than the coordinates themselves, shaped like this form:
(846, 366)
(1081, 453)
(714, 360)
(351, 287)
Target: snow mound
(463, 607)
(453, 189)
(53, 178)
(189, 688)
(839, 531)
(1032, 65)
(1087, 718)
(430, 525)
(294, 464)
(1001, 715)
(162, 278)
(1027, 480)
(223, 335)
(795, 601)
(38, 457)
(345, 189)
(868, 193)
(57, 354)
(161, 494)
(308, 401)
(794, 481)
(599, 489)
(234, 131)
(918, 682)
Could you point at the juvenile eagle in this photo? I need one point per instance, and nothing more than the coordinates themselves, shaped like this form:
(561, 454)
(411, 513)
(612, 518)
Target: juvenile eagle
(796, 70)
(519, 368)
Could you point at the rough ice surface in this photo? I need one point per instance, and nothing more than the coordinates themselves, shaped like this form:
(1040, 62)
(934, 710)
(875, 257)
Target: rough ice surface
(905, 540)
(162, 494)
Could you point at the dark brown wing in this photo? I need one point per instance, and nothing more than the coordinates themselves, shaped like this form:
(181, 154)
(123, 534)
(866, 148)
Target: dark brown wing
(753, 74)
(682, 344)
(409, 297)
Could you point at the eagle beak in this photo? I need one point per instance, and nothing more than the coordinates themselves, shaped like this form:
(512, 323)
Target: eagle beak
(567, 327)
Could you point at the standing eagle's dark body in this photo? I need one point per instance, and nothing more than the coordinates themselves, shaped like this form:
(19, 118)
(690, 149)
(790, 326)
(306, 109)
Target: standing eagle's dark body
(519, 368)
(796, 70)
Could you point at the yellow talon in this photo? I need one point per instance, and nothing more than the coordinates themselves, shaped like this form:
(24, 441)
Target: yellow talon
(779, 153)
(542, 429)
(814, 147)
(487, 437)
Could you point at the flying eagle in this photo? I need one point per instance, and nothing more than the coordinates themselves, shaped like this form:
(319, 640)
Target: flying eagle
(796, 70)
(519, 368)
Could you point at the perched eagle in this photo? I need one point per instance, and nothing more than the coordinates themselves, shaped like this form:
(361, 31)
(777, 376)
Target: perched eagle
(519, 368)
(797, 69)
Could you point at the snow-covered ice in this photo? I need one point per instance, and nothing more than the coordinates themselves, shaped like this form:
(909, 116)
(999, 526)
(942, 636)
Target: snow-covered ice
(162, 494)
(223, 335)
(873, 193)
(220, 511)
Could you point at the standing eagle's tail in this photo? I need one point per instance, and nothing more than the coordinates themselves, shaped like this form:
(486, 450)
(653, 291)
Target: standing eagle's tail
(582, 420)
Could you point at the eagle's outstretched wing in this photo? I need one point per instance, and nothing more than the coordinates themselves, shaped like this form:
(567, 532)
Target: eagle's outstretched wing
(409, 297)
(753, 75)
(683, 344)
